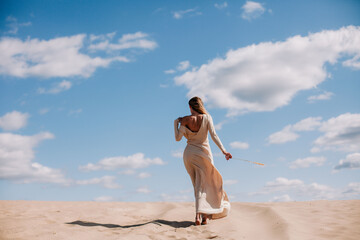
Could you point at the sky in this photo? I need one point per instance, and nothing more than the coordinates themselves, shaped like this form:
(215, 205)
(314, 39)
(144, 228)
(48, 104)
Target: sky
(89, 91)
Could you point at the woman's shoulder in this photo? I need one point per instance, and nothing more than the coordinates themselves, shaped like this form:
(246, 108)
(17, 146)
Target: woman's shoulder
(186, 119)
(206, 115)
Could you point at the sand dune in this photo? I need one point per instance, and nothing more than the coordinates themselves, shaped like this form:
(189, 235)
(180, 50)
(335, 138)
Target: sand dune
(164, 220)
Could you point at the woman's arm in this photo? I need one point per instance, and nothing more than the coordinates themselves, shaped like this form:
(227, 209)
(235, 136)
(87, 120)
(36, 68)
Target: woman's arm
(216, 139)
(178, 133)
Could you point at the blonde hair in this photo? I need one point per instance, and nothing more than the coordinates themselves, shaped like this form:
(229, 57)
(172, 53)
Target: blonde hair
(197, 105)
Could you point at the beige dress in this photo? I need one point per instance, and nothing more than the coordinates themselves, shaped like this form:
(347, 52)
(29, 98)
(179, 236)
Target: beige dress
(210, 198)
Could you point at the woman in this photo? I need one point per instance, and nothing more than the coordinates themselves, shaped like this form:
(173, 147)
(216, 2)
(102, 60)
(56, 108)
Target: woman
(211, 201)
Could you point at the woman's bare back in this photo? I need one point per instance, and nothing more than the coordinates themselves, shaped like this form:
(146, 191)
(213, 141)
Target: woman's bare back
(192, 122)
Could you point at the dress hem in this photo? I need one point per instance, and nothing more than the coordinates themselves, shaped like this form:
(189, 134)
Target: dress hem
(214, 211)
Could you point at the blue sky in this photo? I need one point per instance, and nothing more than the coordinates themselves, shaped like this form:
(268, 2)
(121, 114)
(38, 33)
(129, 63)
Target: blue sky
(89, 91)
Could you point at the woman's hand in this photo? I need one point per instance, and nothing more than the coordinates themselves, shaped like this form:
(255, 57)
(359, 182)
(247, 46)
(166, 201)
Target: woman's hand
(227, 155)
(178, 120)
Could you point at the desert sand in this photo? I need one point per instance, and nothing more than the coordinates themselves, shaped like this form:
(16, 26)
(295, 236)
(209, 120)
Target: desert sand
(165, 220)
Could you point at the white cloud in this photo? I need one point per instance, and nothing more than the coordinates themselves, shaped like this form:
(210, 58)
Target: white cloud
(13, 120)
(341, 133)
(283, 136)
(352, 161)
(306, 162)
(280, 185)
(16, 155)
(266, 76)
(323, 96)
(102, 36)
(319, 191)
(353, 62)
(287, 134)
(144, 175)
(183, 65)
(315, 150)
(57, 88)
(58, 57)
(219, 125)
(180, 14)
(307, 124)
(299, 188)
(352, 190)
(75, 111)
(175, 197)
(221, 5)
(127, 41)
(14, 25)
(105, 181)
(252, 10)
(144, 190)
(43, 111)
(64, 56)
(177, 154)
(170, 71)
(134, 161)
(230, 182)
(128, 172)
(239, 145)
(282, 198)
(104, 199)
(189, 190)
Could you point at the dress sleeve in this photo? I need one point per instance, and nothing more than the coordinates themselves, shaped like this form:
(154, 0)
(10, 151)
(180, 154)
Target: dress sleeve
(213, 134)
(178, 132)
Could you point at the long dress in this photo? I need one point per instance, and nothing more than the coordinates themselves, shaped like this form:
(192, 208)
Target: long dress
(210, 198)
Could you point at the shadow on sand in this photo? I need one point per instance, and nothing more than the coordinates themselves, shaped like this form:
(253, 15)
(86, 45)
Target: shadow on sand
(174, 224)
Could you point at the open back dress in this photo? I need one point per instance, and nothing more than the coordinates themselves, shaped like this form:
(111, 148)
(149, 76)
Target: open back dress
(210, 198)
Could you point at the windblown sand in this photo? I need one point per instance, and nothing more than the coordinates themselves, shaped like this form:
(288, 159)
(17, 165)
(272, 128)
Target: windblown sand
(165, 220)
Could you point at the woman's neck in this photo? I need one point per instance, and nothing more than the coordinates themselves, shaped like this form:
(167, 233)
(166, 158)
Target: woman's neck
(194, 113)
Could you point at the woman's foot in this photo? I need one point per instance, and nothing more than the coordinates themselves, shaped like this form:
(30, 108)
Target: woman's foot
(205, 219)
(197, 219)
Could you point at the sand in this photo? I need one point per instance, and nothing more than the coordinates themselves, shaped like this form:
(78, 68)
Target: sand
(165, 220)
